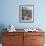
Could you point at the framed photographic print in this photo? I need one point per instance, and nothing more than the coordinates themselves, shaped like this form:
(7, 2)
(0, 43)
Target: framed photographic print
(26, 13)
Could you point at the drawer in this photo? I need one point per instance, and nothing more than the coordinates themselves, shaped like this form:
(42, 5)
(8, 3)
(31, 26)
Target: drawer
(9, 38)
(13, 41)
(21, 44)
(5, 40)
(13, 33)
(34, 33)
(33, 39)
(37, 44)
(12, 44)
(27, 37)
(37, 39)
(27, 41)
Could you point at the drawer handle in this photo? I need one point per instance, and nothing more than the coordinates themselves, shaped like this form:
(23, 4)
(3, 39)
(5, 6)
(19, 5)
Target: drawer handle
(33, 39)
(11, 38)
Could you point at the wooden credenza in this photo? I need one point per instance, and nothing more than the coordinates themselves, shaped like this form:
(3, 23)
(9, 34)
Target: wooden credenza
(23, 39)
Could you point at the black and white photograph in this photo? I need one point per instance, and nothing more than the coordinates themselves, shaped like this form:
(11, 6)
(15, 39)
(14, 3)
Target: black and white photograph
(26, 13)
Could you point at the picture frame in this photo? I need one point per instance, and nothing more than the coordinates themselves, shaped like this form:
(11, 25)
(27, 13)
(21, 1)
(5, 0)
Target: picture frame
(26, 13)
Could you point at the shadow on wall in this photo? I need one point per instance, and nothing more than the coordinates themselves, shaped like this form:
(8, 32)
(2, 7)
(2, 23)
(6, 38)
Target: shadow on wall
(2, 26)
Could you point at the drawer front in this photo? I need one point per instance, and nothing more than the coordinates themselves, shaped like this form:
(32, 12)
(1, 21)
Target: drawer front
(27, 41)
(8, 44)
(12, 39)
(37, 39)
(12, 44)
(13, 33)
(37, 44)
(34, 33)
(33, 39)
(5, 39)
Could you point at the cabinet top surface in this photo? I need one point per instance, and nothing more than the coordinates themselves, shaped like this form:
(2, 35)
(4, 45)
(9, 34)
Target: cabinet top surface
(22, 30)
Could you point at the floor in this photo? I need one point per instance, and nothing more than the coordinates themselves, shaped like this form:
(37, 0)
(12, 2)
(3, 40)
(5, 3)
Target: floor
(0, 44)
